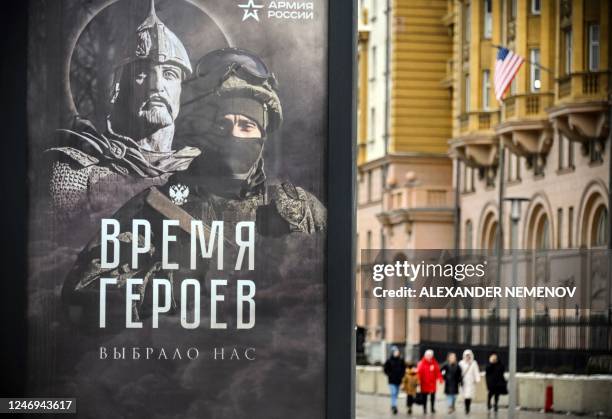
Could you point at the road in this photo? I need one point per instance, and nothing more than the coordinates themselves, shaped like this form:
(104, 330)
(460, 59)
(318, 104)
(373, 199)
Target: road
(378, 407)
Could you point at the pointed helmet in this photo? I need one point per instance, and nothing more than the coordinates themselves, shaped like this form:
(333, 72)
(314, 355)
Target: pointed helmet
(153, 40)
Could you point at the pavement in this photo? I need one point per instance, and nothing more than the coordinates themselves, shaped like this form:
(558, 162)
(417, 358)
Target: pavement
(379, 407)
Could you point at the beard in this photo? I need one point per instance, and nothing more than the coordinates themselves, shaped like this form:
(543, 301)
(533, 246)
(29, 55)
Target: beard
(155, 117)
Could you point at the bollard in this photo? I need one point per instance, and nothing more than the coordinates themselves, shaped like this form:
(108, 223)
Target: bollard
(548, 400)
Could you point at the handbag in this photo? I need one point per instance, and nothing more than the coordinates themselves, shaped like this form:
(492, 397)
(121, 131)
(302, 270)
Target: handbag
(420, 398)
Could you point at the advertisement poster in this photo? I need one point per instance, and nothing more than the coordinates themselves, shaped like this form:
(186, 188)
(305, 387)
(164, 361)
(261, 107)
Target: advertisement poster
(177, 207)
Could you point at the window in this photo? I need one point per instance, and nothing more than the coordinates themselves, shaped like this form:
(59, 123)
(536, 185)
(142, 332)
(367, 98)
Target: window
(514, 167)
(374, 64)
(593, 47)
(469, 231)
(596, 149)
(543, 237)
(468, 179)
(513, 9)
(466, 93)
(535, 70)
(566, 153)
(486, 89)
(369, 197)
(601, 228)
(372, 124)
(570, 227)
(369, 240)
(535, 7)
(567, 65)
(559, 227)
(488, 19)
(467, 23)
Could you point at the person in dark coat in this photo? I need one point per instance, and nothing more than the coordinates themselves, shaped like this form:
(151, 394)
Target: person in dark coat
(452, 379)
(496, 382)
(394, 368)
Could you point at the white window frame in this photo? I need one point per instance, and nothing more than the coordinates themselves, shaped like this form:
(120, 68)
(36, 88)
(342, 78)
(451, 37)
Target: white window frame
(535, 72)
(568, 41)
(594, 44)
(467, 22)
(372, 124)
(536, 10)
(487, 19)
(486, 90)
(374, 63)
(466, 92)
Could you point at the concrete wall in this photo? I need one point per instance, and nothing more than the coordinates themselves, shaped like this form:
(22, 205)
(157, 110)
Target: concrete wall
(571, 393)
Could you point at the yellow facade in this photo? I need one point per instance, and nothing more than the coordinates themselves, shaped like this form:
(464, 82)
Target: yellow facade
(551, 130)
(569, 97)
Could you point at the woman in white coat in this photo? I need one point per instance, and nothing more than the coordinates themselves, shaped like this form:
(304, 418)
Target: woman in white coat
(470, 376)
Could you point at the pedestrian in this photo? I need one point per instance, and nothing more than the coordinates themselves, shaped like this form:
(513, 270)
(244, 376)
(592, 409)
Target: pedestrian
(470, 376)
(452, 379)
(496, 382)
(410, 384)
(429, 373)
(394, 368)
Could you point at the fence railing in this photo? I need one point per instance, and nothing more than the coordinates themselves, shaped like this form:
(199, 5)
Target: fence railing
(545, 343)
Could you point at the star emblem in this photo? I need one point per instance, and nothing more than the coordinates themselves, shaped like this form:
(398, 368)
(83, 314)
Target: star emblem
(250, 10)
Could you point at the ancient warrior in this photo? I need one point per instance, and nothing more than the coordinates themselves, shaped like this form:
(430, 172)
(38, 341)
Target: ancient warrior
(135, 150)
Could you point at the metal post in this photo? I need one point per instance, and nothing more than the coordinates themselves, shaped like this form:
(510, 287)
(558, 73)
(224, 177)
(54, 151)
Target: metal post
(513, 313)
(515, 216)
(500, 225)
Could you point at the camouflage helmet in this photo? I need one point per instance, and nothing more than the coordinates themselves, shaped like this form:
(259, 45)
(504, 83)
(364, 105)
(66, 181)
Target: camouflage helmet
(233, 73)
(153, 40)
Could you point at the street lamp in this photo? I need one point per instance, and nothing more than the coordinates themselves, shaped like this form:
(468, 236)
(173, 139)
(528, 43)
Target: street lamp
(515, 217)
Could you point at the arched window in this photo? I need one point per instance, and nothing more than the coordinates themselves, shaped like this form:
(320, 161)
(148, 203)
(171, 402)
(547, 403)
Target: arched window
(538, 230)
(543, 234)
(593, 218)
(600, 228)
(489, 231)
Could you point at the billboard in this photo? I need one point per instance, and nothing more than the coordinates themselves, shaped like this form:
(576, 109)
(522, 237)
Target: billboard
(178, 249)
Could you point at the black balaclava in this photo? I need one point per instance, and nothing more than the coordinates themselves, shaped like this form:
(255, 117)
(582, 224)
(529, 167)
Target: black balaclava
(232, 166)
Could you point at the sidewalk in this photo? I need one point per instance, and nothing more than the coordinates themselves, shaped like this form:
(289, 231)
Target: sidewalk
(379, 407)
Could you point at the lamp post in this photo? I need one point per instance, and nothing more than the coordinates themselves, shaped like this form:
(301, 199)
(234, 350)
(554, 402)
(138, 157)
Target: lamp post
(515, 217)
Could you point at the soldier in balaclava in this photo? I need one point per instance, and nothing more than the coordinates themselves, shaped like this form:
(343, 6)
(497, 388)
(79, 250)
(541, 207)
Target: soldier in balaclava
(235, 109)
(135, 151)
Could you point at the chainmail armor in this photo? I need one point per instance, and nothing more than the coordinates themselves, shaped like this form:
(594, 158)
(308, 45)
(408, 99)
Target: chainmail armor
(69, 185)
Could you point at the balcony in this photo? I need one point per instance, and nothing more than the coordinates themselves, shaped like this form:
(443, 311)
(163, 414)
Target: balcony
(526, 138)
(581, 122)
(527, 106)
(411, 197)
(582, 86)
(476, 150)
(580, 113)
(406, 204)
(478, 121)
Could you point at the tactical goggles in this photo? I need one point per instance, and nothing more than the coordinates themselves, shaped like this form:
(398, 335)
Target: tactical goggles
(220, 64)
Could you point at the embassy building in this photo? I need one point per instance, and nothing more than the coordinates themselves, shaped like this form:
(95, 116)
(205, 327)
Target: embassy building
(437, 154)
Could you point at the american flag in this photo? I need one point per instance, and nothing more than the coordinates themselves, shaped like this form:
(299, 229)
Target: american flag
(506, 66)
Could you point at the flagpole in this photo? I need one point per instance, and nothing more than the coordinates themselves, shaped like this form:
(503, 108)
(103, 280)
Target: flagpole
(529, 61)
